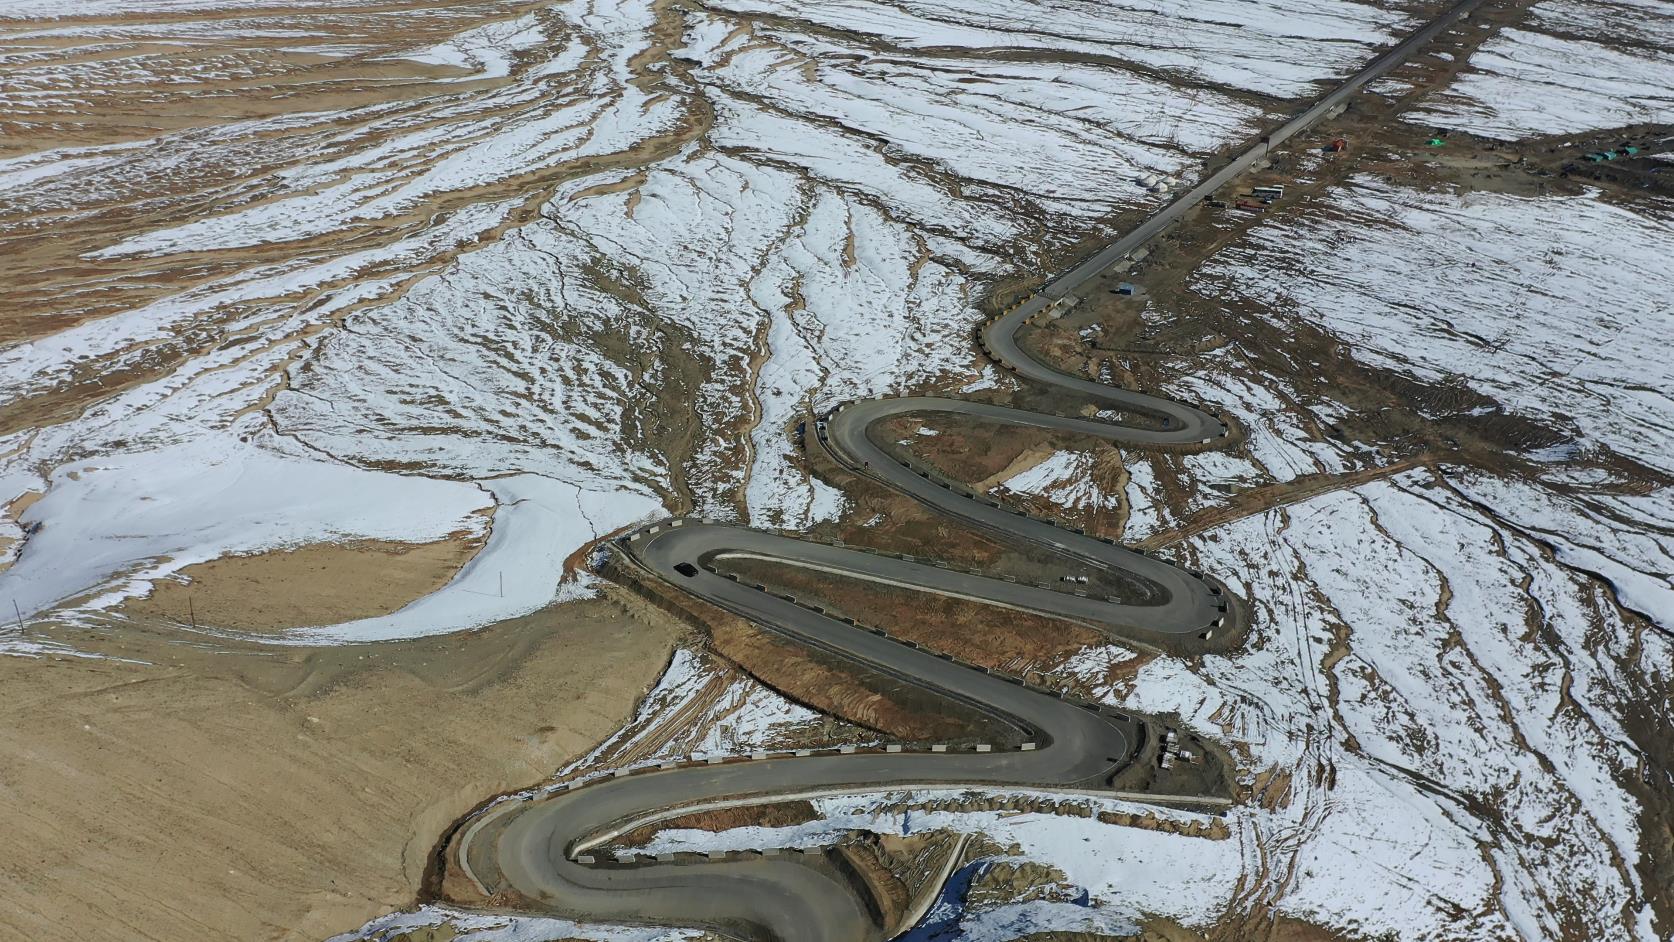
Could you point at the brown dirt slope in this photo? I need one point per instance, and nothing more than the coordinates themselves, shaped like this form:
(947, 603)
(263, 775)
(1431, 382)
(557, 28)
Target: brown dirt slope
(271, 794)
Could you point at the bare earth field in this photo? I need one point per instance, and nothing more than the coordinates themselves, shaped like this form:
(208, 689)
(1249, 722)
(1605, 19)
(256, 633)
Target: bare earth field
(231, 792)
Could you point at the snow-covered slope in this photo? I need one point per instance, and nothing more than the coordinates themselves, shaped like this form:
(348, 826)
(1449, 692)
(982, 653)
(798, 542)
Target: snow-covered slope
(589, 257)
(1581, 65)
(1445, 659)
(1523, 301)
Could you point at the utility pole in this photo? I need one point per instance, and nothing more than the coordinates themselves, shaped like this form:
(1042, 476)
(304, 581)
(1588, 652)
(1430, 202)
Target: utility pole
(19, 613)
(191, 612)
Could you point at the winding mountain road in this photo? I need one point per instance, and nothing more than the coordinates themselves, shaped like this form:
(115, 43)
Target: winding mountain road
(539, 846)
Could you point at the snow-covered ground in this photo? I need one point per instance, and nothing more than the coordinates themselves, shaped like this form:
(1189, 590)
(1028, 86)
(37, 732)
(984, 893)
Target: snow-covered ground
(1571, 318)
(1581, 65)
(480, 927)
(561, 273)
(1067, 476)
(1455, 687)
(1441, 659)
(1520, 299)
(210, 497)
(1275, 47)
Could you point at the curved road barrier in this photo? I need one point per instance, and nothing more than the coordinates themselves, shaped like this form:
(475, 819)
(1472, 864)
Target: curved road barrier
(543, 846)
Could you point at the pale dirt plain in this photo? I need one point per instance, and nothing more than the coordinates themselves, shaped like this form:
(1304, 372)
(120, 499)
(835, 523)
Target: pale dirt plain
(225, 790)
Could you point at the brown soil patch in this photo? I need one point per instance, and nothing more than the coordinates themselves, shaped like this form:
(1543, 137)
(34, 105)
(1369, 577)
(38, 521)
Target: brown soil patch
(781, 814)
(833, 685)
(999, 639)
(964, 449)
(322, 584)
(1271, 788)
(1279, 929)
(275, 794)
(21, 503)
(12, 511)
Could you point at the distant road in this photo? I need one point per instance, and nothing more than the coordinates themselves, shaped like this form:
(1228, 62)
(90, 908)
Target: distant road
(1071, 281)
(545, 848)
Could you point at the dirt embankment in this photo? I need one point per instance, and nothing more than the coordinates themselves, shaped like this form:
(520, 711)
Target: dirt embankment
(999, 639)
(279, 794)
(777, 815)
(823, 682)
(895, 708)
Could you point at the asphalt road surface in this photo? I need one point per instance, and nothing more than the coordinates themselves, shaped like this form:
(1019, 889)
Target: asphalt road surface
(540, 846)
